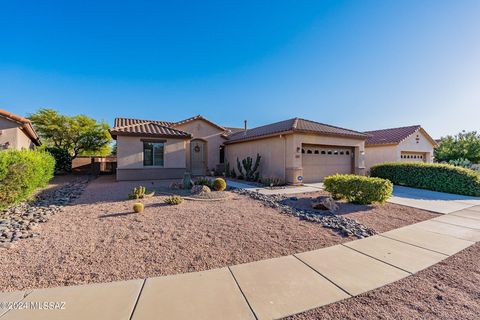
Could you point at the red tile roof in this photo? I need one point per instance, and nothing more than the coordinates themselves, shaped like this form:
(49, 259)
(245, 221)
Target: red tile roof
(294, 125)
(26, 125)
(390, 136)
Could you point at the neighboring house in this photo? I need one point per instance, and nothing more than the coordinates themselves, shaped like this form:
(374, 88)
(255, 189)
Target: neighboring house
(296, 150)
(16, 132)
(407, 144)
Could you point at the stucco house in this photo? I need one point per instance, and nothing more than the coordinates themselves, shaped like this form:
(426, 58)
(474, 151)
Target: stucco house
(16, 132)
(405, 144)
(296, 150)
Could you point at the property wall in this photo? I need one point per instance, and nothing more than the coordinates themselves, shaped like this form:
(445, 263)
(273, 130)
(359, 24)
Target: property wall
(272, 150)
(14, 135)
(200, 129)
(130, 159)
(417, 142)
(375, 155)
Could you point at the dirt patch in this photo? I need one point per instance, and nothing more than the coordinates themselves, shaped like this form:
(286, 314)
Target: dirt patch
(447, 290)
(381, 218)
(99, 239)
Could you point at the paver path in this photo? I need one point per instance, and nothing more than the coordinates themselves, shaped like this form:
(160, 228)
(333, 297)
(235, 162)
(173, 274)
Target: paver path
(267, 289)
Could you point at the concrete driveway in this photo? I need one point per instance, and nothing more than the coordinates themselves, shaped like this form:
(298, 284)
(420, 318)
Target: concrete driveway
(439, 202)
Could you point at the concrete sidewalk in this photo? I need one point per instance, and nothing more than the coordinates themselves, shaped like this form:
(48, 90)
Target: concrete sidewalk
(306, 188)
(266, 289)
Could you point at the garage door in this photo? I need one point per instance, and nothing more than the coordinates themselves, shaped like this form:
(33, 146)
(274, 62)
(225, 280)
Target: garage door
(319, 162)
(412, 157)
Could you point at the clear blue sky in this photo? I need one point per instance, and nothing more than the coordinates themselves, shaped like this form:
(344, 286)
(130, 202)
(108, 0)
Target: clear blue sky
(358, 64)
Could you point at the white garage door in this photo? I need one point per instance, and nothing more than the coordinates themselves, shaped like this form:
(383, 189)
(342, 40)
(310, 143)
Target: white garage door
(320, 161)
(412, 157)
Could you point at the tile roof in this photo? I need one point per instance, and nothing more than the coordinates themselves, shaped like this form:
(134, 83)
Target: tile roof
(390, 136)
(136, 127)
(25, 124)
(294, 125)
(140, 127)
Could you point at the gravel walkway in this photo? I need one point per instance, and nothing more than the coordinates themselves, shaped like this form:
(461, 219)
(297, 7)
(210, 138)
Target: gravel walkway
(99, 240)
(447, 290)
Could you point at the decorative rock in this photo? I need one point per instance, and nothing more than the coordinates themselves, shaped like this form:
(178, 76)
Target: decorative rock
(16, 221)
(199, 189)
(325, 203)
(342, 225)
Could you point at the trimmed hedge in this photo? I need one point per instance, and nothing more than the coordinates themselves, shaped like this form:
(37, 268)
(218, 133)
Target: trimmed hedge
(21, 172)
(358, 189)
(431, 176)
(63, 160)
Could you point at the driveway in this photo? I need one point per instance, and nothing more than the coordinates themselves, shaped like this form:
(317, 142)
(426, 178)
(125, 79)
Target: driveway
(439, 202)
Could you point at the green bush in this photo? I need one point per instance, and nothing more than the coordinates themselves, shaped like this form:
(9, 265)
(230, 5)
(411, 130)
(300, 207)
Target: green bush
(358, 189)
(431, 176)
(219, 184)
(203, 181)
(174, 200)
(63, 160)
(21, 172)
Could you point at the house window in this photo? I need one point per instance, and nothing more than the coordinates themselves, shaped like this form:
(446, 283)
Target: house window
(323, 152)
(309, 151)
(153, 153)
(316, 151)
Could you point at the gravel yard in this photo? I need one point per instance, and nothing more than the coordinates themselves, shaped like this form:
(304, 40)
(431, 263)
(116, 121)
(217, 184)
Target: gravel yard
(447, 290)
(99, 239)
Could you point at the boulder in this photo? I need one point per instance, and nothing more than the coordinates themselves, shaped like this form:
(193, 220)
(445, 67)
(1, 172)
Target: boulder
(326, 203)
(198, 189)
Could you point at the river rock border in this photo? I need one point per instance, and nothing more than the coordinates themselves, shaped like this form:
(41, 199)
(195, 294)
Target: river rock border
(22, 221)
(341, 225)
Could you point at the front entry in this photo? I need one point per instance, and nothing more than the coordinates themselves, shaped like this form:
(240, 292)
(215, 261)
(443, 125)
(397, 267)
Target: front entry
(198, 155)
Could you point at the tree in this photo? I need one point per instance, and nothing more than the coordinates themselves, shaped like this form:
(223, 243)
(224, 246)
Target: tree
(75, 134)
(465, 145)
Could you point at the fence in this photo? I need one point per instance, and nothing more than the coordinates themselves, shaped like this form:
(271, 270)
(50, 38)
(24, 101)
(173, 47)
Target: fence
(94, 165)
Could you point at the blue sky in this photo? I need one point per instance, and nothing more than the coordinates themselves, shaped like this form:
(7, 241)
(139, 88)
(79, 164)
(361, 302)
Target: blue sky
(358, 64)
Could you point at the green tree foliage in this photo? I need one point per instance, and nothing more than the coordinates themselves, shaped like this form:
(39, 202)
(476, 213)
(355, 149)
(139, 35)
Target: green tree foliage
(78, 134)
(465, 145)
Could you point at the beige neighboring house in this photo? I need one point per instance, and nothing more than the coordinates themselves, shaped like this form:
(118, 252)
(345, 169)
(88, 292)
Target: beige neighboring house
(405, 144)
(296, 150)
(16, 132)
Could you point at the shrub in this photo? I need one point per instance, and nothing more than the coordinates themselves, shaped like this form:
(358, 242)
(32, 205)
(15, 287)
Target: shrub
(63, 160)
(436, 177)
(138, 207)
(219, 184)
(174, 200)
(272, 181)
(21, 172)
(140, 192)
(203, 181)
(358, 189)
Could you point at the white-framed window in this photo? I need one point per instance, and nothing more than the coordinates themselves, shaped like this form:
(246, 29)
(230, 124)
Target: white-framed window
(153, 154)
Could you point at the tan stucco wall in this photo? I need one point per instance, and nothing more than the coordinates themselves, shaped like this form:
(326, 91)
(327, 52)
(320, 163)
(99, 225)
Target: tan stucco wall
(130, 153)
(200, 129)
(14, 135)
(375, 155)
(272, 150)
(282, 157)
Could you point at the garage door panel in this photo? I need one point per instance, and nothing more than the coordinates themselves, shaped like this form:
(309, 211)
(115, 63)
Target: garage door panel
(319, 162)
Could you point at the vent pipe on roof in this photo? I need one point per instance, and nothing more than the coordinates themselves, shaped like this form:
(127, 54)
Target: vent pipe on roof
(245, 125)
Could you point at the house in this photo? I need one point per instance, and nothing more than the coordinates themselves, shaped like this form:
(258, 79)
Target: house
(16, 132)
(408, 144)
(296, 150)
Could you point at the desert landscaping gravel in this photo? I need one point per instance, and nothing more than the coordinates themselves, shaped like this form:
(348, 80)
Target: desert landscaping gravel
(99, 239)
(447, 290)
